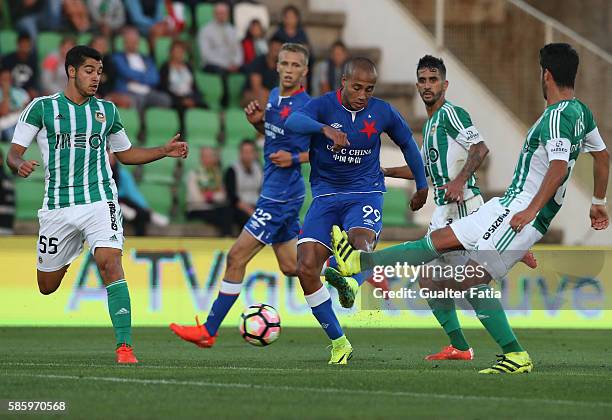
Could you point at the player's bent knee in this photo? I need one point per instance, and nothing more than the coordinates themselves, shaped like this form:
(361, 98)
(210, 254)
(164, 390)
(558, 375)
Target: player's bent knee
(289, 270)
(234, 260)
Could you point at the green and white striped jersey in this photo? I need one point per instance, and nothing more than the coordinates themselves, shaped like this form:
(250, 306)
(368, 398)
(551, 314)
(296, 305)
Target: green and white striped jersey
(564, 130)
(447, 137)
(73, 140)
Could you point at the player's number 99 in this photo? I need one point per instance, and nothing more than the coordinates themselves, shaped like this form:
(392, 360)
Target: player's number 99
(368, 210)
(47, 245)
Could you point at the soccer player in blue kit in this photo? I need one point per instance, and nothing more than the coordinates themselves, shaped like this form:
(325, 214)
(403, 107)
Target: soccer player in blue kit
(347, 183)
(275, 221)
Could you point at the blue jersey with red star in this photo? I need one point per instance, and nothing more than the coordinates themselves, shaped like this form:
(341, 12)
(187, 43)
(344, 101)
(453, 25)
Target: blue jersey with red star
(357, 167)
(283, 184)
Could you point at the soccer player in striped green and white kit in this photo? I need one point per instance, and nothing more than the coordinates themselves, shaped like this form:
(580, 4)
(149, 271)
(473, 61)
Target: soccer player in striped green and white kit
(504, 229)
(73, 130)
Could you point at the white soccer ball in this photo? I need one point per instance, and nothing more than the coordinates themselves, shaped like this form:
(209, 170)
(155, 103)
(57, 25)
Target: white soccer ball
(260, 325)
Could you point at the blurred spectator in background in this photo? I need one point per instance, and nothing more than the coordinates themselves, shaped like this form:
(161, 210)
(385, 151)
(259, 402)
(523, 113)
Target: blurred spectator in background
(77, 15)
(243, 183)
(31, 16)
(176, 78)
(291, 30)
(106, 88)
(7, 199)
(206, 196)
(12, 101)
(137, 76)
(53, 74)
(262, 76)
(148, 17)
(219, 47)
(23, 65)
(108, 16)
(134, 206)
(327, 75)
(254, 42)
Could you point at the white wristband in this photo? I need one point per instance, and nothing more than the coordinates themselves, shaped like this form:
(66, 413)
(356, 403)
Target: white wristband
(599, 201)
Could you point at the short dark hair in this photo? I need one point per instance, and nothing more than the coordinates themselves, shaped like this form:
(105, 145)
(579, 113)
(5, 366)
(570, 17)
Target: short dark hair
(359, 63)
(276, 38)
(76, 56)
(339, 44)
(561, 60)
(23, 36)
(294, 9)
(431, 62)
(246, 142)
(296, 48)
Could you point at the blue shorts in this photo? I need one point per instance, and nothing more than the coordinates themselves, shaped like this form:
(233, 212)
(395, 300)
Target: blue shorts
(355, 210)
(275, 222)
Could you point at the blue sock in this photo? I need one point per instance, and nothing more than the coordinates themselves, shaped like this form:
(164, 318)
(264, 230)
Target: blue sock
(321, 306)
(228, 293)
(360, 277)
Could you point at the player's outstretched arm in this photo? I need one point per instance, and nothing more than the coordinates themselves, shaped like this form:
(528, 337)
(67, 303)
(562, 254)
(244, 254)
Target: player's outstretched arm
(556, 173)
(18, 165)
(601, 172)
(402, 172)
(255, 115)
(139, 155)
(301, 123)
(476, 155)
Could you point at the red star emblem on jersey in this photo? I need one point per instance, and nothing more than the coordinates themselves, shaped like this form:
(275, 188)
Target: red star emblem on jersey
(284, 113)
(369, 128)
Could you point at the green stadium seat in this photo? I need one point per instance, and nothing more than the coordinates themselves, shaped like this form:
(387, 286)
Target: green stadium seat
(235, 83)
(159, 172)
(8, 41)
(131, 122)
(158, 196)
(229, 155)
(47, 42)
(143, 46)
(29, 194)
(211, 87)
(237, 128)
(162, 124)
(84, 39)
(202, 127)
(395, 207)
(162, 50)
(204, 14)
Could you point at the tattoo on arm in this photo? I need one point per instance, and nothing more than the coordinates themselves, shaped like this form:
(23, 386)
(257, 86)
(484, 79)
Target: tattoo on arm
(475, 157)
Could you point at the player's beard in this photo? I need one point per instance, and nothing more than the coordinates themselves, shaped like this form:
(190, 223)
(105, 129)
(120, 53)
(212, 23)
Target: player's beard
(83, 91)
(434, 98)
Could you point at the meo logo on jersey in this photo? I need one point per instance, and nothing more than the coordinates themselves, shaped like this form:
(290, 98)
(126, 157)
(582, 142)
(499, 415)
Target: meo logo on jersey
(65, 141)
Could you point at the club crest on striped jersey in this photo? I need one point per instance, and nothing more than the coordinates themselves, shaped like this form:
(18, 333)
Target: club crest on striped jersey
(100, 117)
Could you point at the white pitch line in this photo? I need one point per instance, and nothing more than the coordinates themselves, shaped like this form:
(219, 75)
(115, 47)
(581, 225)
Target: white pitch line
(318, 390)
(257, 369)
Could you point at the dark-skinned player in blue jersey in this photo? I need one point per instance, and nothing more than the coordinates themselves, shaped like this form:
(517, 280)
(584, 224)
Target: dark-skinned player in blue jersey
(275, 221)
(347, 185)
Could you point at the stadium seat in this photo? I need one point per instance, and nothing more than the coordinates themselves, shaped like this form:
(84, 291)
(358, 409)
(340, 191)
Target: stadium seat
(8, 41)
(395, 207)
(159, 172)
(143, 46)
(211, 87)
(158, 196)
(162, 124)
(201, 127)
(29, 195)
(131, 122)
(162, 50)
(237, 128)
(84, 39)
(204, 14)
(235, 85)
(47, 42)
(229, 155)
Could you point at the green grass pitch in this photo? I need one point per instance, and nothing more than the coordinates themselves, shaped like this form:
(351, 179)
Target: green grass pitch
(387, 376)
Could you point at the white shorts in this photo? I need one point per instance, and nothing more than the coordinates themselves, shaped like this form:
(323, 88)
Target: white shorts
(492, 242)
(445, 215)
(63, 231)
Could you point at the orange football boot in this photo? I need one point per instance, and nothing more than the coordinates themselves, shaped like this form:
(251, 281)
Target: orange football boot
(451, 353)
(125, 355)
(197, 335)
